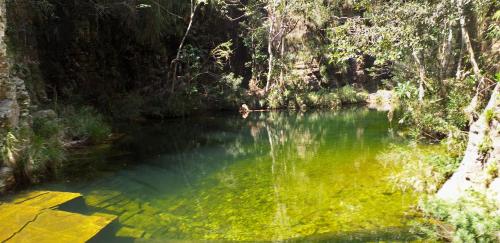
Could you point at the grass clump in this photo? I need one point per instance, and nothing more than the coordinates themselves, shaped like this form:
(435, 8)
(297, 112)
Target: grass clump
(33, 153)
(85, 124)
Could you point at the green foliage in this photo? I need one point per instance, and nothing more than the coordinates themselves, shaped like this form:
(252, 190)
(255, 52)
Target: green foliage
(494, 28)
(435, 118)
(33, 154)
(323, 99)
(228, 91)
(85, 124)
(347, 94)
(350, 95)
(474, 218)
(489, 115)
(222, 53)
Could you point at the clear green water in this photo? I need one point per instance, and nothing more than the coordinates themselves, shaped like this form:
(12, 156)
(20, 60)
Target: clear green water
(269, 177)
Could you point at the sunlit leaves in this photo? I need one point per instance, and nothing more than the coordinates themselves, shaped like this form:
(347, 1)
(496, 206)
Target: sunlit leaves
(222, 53)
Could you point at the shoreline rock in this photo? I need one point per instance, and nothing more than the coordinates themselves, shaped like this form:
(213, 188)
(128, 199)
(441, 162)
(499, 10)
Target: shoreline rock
(382, 100)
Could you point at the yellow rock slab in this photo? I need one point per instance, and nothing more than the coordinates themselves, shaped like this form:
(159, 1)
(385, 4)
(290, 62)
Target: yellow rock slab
(59, 226)
(44, 199)
(14, 217)
(32, 217)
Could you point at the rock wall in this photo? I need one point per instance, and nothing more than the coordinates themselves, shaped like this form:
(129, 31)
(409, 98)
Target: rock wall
(14, 99)
(479, 168)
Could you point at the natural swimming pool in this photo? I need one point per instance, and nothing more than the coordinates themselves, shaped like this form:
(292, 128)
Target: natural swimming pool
(272, 176)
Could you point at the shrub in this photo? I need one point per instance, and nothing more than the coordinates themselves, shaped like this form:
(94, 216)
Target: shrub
(275, 100)
(473, 218)
(323, 99)
(348, 95)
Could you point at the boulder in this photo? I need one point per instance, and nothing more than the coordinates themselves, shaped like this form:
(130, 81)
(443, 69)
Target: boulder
(382, 100)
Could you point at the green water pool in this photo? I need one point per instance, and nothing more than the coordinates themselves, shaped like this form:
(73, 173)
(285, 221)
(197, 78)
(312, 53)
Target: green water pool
(274, 176)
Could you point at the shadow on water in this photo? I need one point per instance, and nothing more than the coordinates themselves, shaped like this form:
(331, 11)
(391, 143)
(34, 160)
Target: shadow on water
(271, 176)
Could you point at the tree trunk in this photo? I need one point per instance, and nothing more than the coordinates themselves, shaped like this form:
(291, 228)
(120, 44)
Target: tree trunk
(271, 55)
(421, 74)
(175, 62)
(445, 60)
(272, 19)
(282, 55)
(446, 53)
(458, 74)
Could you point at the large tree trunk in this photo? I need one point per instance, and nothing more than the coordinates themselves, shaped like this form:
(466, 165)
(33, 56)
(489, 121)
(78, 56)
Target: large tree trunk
(282, 55)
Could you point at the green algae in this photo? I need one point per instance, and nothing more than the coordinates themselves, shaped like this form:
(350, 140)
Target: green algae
(272, 176)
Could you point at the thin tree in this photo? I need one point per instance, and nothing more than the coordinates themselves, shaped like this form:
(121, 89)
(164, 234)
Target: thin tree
(195, 4)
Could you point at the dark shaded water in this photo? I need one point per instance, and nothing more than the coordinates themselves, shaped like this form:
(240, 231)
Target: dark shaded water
(271, 176)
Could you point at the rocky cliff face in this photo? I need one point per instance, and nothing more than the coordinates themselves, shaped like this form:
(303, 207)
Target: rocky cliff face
(479, 169)
(14, 99)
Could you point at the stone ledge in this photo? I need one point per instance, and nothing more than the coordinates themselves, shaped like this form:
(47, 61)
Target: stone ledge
(32, 217)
